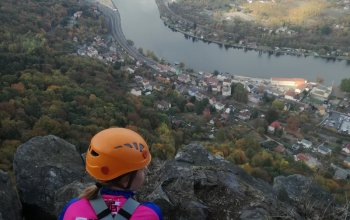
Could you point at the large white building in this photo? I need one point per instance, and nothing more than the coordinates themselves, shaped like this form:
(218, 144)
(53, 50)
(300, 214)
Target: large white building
(321, 93)
(288, 82)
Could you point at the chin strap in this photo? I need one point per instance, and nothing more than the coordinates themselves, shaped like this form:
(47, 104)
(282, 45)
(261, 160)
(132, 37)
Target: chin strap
(103, 212)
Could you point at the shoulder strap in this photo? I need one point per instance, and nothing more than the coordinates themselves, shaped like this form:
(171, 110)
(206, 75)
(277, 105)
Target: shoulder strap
(101, 209)
(103, 212)
(127, 209)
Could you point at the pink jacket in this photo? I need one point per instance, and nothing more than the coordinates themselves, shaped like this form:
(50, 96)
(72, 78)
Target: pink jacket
(80, 209)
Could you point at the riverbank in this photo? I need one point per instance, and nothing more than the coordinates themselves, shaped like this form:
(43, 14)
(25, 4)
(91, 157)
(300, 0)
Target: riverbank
(196, 32)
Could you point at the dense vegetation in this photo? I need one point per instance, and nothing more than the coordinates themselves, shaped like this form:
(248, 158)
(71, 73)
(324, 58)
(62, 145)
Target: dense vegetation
(45, 89)
(345, 85)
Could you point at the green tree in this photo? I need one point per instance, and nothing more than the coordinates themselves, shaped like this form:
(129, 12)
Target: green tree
(239, 93)
(345, 85)
(278, 104)
(272, 115)
(201, 105)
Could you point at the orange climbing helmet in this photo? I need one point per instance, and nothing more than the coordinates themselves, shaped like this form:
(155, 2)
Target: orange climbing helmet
(116, 151)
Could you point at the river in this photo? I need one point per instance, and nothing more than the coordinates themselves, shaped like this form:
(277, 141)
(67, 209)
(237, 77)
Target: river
(141, 24)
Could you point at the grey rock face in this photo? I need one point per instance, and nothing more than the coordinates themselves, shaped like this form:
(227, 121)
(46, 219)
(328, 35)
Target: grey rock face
(305, 195)
(197, 185)
(10, 206)
(42, 166)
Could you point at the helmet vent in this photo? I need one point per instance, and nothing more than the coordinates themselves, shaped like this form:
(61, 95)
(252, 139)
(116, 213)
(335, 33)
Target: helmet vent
(94, 153)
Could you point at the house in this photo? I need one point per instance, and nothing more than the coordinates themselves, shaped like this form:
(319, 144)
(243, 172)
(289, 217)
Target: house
(164, 68)
(254, 98)
(346, 148)
(77, 14)
(200, 96)
(212, 100)
(136, 92)
(184, 78)
(219, 106)
(214, 84)
(145, 82)
(226, 91)
(163, 105)
(345, 126)
(324, 150)
(130, 70)
(244, 114)
(249, 87)
(158, 87)
(147, 87)
(273, 127)
(162, 79)
(290, 95)
(192, 92)
(221, 77)
(307, 159)
(305, 143)
(341, 174)
(280, 149)
(295, 147)
(226, 82)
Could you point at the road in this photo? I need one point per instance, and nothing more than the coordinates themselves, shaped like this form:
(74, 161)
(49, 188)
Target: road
(117, 33)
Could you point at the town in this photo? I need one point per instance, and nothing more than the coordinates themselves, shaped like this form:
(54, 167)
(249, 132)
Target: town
(327, 110)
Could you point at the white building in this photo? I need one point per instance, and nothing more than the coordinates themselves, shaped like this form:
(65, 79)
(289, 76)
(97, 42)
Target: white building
(226, 91)
(288, 82)
(305, 143)
(345, 127)
(324, 150)
(136, 92)
(219, 106)
(321, 93)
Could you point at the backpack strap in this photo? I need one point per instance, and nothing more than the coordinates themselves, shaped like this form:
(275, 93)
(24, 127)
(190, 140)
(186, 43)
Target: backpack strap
(127, 209)
(102, 211)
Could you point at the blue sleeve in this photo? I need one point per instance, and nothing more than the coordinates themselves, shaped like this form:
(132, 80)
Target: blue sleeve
(66, 207)
(155, 208)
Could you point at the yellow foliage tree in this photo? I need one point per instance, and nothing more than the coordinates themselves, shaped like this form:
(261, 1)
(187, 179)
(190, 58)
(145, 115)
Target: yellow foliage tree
(165, 147)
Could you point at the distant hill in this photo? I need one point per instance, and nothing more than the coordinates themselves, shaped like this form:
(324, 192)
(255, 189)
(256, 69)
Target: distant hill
(318, 25)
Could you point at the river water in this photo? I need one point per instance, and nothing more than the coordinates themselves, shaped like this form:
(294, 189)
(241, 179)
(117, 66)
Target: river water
(141, 23)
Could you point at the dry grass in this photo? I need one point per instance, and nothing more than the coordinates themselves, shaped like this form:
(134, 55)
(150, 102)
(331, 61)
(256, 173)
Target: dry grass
(298, 12)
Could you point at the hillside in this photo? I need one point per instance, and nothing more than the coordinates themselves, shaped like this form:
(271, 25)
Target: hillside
(46, 88)
(318, 26)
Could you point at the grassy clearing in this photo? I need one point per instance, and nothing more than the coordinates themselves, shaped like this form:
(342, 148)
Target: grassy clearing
(295, 12)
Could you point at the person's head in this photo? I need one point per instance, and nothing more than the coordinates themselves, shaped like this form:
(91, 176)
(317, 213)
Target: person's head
(118, 158)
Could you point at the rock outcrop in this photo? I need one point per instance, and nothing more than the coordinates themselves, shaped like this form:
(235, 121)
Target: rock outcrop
(304, 194)
(195, 185)
(10, 206)
(42, 166)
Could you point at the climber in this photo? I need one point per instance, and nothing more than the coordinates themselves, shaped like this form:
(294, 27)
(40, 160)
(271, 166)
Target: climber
(117, 158)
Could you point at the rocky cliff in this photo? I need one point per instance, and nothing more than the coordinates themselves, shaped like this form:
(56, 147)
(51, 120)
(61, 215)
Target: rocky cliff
(195, 185)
